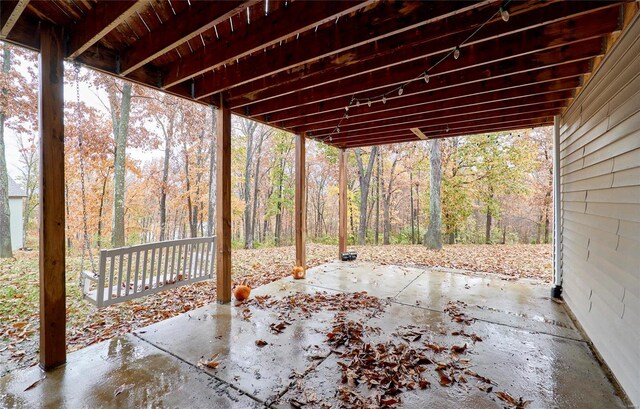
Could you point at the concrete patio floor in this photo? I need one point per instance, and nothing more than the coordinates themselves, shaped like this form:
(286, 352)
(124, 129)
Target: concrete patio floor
(530, 348)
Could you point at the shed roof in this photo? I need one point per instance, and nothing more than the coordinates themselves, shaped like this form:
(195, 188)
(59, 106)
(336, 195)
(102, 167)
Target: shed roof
(15, 190)
(323, 67)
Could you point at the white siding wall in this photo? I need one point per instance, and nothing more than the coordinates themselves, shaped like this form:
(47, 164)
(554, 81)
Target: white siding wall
(15, 209)
(600, 190)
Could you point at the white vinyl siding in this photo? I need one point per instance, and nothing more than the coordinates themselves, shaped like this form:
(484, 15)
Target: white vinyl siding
(600, 209)
(15, 212)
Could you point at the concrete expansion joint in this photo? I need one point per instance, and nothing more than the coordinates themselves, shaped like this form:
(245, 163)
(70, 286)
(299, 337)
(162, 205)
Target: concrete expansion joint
(222, 381)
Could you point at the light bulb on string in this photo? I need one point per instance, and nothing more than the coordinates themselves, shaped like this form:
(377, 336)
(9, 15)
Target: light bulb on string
(456, 53)
(426, 78)
(384, 99)
(504, 13)
(357, 103)
(338, 129)
(346, 108)
(369, 103)
(400, 91)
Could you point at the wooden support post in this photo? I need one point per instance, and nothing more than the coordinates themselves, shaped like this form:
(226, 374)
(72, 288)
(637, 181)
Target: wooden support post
(342, 186)
(301, 196)
(223, 203)
(52, 212)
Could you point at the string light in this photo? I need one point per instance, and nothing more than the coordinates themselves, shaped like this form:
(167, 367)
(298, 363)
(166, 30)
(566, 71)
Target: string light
(504, 13)
(424, 75)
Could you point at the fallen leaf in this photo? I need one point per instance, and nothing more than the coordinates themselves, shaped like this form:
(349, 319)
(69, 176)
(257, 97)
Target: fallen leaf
(261, 342)
(36, 383)
(123, 388)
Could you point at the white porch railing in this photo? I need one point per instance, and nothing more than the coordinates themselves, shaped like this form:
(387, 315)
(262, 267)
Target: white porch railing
(135, 271)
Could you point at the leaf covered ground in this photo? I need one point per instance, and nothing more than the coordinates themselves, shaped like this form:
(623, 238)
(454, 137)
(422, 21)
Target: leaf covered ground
(87, 325)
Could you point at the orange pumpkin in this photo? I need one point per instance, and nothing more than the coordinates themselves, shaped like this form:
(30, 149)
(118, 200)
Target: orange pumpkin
(298, 272)
(241, 292)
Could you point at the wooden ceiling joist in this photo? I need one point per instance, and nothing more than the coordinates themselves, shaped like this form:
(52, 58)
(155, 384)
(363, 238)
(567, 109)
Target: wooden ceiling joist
(509, 96)
(297, 17)
(388, 52)
(10, 11)
(99, 21)
(427, 95)
(445, 117)
(443, 133)
(298, 66)
(427, 125)
(532, 43)
(383, 20)
(191, 22)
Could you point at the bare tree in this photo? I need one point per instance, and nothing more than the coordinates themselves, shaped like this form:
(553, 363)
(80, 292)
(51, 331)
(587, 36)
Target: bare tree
(433, 236)
(365, 180)
(120, 119)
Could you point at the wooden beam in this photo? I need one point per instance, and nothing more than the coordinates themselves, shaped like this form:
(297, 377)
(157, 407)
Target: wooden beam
(300, 201)
(438, 111)
(342, 186)
(10, 12)
(428, 127)
(194, 20)
(429, 121)
(550, 90)
(52, 204)
(417, 132)
(280, 25)
(402, 48)
(99, 21)
(383, 20)
(406, 136)
(488, 53)
(223, 203)
(426, 95)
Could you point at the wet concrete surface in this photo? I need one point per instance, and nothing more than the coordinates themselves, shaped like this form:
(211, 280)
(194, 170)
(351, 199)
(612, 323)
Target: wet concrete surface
(530, 348)
(124, 372)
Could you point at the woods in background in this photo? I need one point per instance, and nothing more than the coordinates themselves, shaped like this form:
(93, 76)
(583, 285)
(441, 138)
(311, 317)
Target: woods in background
(147, 163)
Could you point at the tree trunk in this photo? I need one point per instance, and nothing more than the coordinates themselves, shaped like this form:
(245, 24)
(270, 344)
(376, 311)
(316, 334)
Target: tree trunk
(487, 232)
(168, 137)
(378, 199)
(278, 227)
(212, 170)
(120, 129)
(256, 181)
(101, 209)
(413, 231)
(5, 216)
(365, 179)
(433, 236)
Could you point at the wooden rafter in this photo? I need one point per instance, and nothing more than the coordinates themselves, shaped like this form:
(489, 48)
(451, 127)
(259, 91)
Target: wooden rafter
(10, 11)
(337, 94)
(282, 24)
(194, 20)
(388, 52)
(103, 18)
(386, 19)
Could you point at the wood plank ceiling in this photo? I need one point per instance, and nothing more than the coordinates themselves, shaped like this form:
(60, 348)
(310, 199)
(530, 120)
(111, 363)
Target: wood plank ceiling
(298, 65)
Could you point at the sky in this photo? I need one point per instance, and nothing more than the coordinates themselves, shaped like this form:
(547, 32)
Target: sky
(90, 96)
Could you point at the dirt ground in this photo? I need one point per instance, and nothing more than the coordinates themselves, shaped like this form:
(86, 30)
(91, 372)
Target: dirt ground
(87, 325)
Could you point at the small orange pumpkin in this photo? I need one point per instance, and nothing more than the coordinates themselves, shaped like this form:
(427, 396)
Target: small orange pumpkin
(298, 272)
(241, 292)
